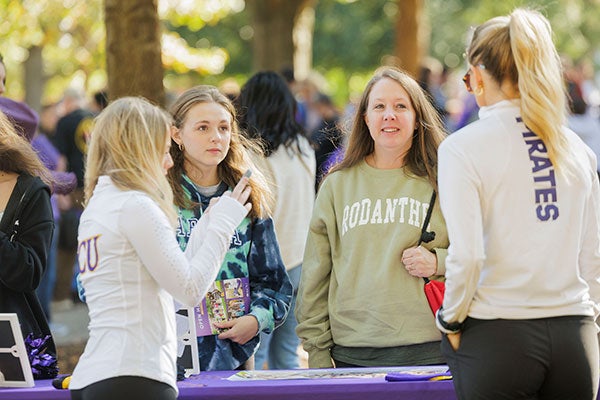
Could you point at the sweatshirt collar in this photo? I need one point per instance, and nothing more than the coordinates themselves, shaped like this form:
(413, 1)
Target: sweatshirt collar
(196, 195)
(486, 111)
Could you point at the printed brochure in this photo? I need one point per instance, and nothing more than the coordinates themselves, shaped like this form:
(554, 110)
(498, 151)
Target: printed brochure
(225, 300)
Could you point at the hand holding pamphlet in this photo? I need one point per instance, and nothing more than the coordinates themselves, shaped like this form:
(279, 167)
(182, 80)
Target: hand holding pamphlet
(225, 300)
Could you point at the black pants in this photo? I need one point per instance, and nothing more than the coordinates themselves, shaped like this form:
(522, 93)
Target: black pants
(126, 388)
(542, 359)
(341, 364)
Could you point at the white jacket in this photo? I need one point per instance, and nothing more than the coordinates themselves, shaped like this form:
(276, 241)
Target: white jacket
(294, 190)
(524, 241)
(131, 267)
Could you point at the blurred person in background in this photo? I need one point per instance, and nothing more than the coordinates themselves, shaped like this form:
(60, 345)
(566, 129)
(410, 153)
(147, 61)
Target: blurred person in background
(72, 136)
(99, 101)
(328, 136)
(266, 110)
(287, 73)
(586, 126)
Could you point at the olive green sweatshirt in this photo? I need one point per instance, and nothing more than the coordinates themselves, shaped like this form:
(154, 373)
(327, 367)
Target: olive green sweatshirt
(354, 290)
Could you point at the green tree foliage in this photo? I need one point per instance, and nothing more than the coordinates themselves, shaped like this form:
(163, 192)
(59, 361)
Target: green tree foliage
(70, 33)
(357, 34)
(576, 30)
(350, 39)
(193, 48)
(230, 35)
(208, 41)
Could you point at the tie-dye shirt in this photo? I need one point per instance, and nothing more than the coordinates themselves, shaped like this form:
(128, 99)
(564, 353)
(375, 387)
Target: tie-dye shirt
(253, 253)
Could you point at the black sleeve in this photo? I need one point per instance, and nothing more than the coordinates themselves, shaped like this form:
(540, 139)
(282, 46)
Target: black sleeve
(23, 260)
(62, 139)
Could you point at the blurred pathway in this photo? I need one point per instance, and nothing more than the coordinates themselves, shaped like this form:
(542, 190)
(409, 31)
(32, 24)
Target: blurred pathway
(69, 323)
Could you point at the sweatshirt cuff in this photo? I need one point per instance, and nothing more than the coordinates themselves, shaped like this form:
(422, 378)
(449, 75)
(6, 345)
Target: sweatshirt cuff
(441, 255)
(319, 358)
(230, 210)
(446, 327)
(264, 318)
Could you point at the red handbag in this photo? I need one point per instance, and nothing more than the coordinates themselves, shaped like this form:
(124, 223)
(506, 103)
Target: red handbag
(434, 290)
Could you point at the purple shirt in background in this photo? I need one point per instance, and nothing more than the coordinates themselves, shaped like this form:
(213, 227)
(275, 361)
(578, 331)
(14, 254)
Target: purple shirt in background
(50, 157)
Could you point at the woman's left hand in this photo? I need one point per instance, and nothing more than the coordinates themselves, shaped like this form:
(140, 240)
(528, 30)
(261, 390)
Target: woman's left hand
(419, 261)
(239, 330)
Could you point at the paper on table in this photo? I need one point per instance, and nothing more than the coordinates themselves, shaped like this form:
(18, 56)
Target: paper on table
(374, 372)
(418, 376)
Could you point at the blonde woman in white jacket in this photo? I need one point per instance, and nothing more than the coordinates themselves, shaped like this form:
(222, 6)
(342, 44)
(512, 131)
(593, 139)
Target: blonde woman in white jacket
(519, 192)
(131, 266)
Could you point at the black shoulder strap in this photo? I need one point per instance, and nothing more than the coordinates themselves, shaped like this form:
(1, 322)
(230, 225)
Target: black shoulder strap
(427, 236)
(19, 211)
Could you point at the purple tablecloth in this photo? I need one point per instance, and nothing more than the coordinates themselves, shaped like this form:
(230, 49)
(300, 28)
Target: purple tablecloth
(214, 386)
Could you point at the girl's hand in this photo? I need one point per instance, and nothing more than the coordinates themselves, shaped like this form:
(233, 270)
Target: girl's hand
(241, 192)
(211, 203)
(240, 330)
(419, 261)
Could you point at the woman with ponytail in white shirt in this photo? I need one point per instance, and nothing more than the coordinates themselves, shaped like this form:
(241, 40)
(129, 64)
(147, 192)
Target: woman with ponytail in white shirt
(519, 192)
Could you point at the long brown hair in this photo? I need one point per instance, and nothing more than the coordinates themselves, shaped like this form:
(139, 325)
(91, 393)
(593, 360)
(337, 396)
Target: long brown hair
(236, 162)
(421, 159)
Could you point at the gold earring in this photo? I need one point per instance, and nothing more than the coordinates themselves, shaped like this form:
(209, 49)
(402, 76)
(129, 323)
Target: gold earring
(181, 148)
(479, 90)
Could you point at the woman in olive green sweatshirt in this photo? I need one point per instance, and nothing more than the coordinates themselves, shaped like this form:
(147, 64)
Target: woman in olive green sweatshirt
(361, 299)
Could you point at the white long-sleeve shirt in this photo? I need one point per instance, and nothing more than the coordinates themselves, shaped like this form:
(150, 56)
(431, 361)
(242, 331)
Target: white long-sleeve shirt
(294, 189)
(131, 267)
(524, 242)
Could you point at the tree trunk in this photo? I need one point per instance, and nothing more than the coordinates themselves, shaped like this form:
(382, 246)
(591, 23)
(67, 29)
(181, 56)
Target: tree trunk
(303, 38)
(133, 50)
(408, 46)
(34, 78)
(273, 22)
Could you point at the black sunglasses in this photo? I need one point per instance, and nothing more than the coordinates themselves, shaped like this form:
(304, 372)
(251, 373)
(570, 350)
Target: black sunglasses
(467, 81)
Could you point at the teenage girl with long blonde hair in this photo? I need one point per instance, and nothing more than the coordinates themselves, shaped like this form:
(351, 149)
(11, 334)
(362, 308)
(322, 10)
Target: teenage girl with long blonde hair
(130, 265)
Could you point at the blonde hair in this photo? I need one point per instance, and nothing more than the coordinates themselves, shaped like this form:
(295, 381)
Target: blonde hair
(421, 159)
(17, 155)
(236, 162)
(519, 48)
(128, 143)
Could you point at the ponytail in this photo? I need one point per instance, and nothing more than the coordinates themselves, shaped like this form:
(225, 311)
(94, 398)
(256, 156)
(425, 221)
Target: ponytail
(519, 48)
(540, 81)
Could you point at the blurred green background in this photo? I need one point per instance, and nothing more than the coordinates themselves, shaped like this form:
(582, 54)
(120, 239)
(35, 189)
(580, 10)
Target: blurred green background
(209, 41)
